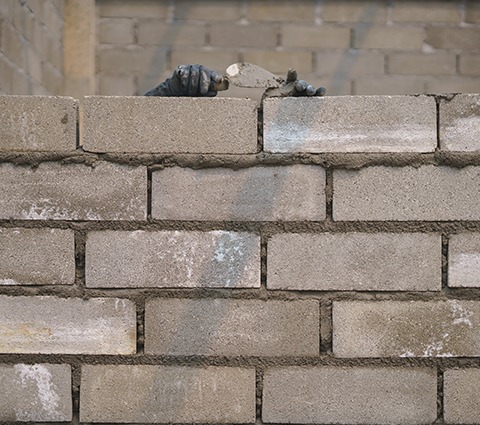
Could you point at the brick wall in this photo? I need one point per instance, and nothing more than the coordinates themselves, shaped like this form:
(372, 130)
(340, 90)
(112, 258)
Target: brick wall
(31, 46)
(178, 266)
(350, 47)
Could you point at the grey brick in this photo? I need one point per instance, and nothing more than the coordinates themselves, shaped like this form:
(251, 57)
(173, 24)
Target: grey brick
(406, 328)
(37, 257)
(172, 259)
(51, 325)
(170, 125)
(159, 394)
(294, 193)
(460, 396)
(228, 327)
(430, 193)
(35, 392)
(355, 261)
(350, 395)
(460, 123)
(38, 123)
(464, 260)
(55, 191)
(352, 124)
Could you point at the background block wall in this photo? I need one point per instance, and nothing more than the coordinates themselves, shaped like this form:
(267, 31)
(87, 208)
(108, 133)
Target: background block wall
(269, 269)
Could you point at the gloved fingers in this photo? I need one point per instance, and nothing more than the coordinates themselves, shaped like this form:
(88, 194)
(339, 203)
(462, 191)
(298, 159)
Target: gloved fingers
(301, 86)
(310, 90)
(211, 93)
(183, 73)
(194, 80)
(204, 81)
(321, 91)
(215, 77)
(291, 75)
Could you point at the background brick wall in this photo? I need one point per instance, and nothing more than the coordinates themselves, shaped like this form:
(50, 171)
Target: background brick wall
(350, 47)
(165, 277)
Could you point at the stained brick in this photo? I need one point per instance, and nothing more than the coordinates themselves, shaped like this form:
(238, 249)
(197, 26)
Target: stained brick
(228, 327)
(51, 325)
(431, 11)
(388, 38)
(321, 37)
(358, 11)
(406, 328)
(460, 396)
(344, 395)
(464, 260)
(281, 10)
(442, 37)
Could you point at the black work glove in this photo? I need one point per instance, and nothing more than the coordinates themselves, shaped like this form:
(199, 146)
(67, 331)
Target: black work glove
(189, 80)
(292, 87)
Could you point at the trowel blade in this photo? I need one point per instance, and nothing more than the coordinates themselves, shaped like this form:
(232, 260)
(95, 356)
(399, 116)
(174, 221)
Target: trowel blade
(245, 74)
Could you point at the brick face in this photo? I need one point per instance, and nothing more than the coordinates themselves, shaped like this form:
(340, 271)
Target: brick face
(388, 38)
(276, 10)
(311, 395)
(453, 38)
(223, 327)
(258, 35)
(422, 63)
(464, 260)
(461, 388)
(432, 11)
(323, 37)
(153, 32)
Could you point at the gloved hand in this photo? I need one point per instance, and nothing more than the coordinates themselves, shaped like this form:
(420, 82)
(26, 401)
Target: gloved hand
(189, 80)
(294, 87)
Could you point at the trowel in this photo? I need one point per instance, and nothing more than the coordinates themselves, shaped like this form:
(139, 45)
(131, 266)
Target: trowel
(244, 74)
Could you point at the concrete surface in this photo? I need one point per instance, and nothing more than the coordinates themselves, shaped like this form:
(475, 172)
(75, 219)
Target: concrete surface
(460, 396)
(464, 260)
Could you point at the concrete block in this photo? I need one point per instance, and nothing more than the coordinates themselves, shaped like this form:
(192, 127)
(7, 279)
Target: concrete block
(355, 261)
(357, 62)
(37, 257)
(209, 10)
(380, 37)
(460, 396)
(51, 325)
(162, 394)
(432, 11)
(116, 30)
(290, 193)
(320, 37)
(388, 85)
(228, 327)
(469, 64)
(35, 393)
(281, 10)
(54, 191)
(128, 59)
(217, 59)
(157, 32)
(350, 395)
(350, 124)
(460, 123)
(464, 260)
(139, 9)
(339, 12)
(172, 259)
(472, 12)
(445, 37)
(38, 123)
(438, 63)
(430, 193)
(406, 328)
(280, 61)
(170, 125)
(240, 35)
(451, 84)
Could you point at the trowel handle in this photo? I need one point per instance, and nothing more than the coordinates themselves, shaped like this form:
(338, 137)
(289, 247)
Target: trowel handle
(222, 85)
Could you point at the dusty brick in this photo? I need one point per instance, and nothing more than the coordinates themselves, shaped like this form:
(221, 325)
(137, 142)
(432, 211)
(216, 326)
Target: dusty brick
(37, 257)
(132, 58)
(172, 259)
(389, 85)
(334, 124)
(74, 192)
(464, 260)
(30, 123)
(154, 32)
(452, 84)
(228, 327)
(350, 62)
(355, 261)
(422, 63)
(162, 394)
(289, 193)
(218, 60)
(320, 37)
(431, 193)
(406, 328)
(138, 9)
(460, 396)
(117, 85)
(258, 35)
(443, 37)
(281, 61)
(460, 123)
(35, 392)
(281, 10)
(431, 11)
(472, 11)
(115, 30)
(51, 325)
(344, 395)
(469, 64)
(388, 38)
(354, 11)
(208, 10)
(152, 124)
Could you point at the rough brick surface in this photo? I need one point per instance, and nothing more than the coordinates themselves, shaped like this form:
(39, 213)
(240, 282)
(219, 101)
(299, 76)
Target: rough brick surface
(355, 261)
(40, 123)
(228, 34)
(277, 10)
(356, 395)
(464, 260)
(460, 396)
(54, 191)
(224, 327)
(155, 32)
(291, 193)
(460, 123)
(182, 125)
(51, 325)
(432, 11)
(406, 328)
(35, 392)
(353, 124)
(407, 193)
(172, 259)
(320, 37)
(208, 9)
(441, 37)
(368, 37)
(373, 11)
(158, 394)
(422, 64)
(37, 257)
